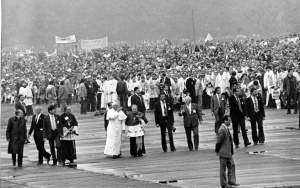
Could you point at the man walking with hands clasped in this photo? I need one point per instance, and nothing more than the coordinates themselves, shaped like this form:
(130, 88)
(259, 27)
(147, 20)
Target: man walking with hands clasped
(224, 149)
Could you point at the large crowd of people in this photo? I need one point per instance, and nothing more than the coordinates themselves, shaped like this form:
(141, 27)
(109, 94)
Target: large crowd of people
(239, 77)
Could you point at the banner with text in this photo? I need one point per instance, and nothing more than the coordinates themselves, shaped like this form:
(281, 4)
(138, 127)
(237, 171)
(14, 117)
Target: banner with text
(61, 40)
(94, 44)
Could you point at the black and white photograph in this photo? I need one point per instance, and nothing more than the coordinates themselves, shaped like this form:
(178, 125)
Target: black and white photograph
(150, 94)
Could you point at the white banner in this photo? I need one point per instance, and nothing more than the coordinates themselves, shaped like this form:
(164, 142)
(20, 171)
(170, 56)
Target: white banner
(61, 40)
(208, 38)
(94, 44)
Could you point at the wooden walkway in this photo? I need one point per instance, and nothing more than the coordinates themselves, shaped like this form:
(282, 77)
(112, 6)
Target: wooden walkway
(274, 164)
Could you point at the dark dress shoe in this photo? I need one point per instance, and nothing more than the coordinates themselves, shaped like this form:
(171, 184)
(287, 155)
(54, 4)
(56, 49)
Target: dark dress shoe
(48, 160)
(261, 142)
(20, 166)
(54, 164)
(39, 163)
(288, 112)
(174, 129)
(165, 150)
(173, 149)
(191, 149)
(196, 149)
(247, 144)
(226, 186)
(140, 155)
(119, 156)
(255, 143)
(114, 157)
(234, 184)
(14, 163)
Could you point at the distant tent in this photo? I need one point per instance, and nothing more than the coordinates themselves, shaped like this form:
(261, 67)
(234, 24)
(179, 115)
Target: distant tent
(208, 38)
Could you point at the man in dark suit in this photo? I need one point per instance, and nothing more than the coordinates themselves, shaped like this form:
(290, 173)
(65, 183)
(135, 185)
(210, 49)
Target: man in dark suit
(20, 105)
(63, 96)
(164, 119)
(191, 118)
(237, 114)
(122, 91)
(165, 81)
(37, 127)
(190, 87)
(255, 113)
(138, 100)
(52, 131)
(218, 107)
(290, 90)
(224, 149)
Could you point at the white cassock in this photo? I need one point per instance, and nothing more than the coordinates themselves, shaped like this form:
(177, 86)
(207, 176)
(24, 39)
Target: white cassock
(27, 93)
(269, 81)
(218, 82)
(112, 91)
(104, 97)
(114, 132)
(225, 79)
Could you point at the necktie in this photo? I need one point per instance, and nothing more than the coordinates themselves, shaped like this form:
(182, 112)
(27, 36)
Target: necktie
(255, 105)
(218, 100)
(165, 108)
(37, 118)
(239, 102)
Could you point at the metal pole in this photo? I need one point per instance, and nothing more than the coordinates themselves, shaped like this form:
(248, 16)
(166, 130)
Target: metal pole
(193, 26)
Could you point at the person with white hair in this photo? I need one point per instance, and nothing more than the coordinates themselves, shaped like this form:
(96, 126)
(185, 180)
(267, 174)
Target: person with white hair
(115, 127)
(191, 117)
(37, 128)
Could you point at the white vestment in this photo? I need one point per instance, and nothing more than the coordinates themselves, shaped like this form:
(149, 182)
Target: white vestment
(114, 132)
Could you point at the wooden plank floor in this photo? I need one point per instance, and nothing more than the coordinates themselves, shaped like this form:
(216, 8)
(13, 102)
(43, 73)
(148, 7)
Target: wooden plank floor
(274, 164)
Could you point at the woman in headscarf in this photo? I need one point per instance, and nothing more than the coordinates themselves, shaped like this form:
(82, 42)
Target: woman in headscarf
(115, 128)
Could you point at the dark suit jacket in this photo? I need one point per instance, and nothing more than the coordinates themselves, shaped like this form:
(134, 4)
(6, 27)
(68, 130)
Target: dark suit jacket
(167, 81)
(122, 88)
(235, 112)
(249, 108)
(37, 126)
(158, 113)
(47, 129)
(191, 119)
(190, 86)
(287, 87)
(224, 145)
(215, 105)
(140, 103)
(63, 92)
(19, 106)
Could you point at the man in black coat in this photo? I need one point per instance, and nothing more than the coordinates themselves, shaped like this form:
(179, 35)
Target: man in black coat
(122, 92)
(37, 127)
(190, 88)
(237, 114)
(20, 105)
(138, 100)
(255, 113)
(16, 136)
(52, 131)
(165, 81)
(164, 119)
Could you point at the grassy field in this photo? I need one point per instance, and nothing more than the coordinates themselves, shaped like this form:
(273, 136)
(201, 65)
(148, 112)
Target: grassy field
(8, 111)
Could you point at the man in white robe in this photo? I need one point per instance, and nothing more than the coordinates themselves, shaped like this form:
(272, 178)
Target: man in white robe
(269, 82)
(116, 126)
